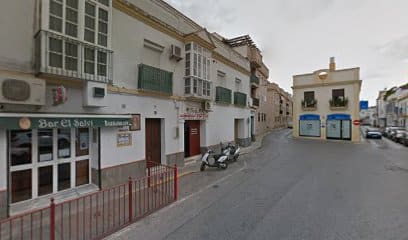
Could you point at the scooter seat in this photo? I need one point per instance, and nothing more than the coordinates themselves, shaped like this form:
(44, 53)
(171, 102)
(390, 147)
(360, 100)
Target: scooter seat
(216, 156)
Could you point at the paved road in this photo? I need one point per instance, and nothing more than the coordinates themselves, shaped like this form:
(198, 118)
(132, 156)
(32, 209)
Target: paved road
(292, 189)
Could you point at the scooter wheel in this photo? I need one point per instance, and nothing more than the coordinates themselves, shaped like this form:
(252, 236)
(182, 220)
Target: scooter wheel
(202, 167)
(224, 166)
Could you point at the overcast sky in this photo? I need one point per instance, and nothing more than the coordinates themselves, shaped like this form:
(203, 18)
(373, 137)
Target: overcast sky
(299, 36)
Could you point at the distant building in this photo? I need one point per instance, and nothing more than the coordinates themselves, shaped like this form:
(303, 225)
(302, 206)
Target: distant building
(279, 111)
(392, 107)
(326, 102)
(381, 109)
(271, 105)
(369, 116)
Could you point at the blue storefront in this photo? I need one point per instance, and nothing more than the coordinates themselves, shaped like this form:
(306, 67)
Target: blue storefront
(338, 126)
(309, 125)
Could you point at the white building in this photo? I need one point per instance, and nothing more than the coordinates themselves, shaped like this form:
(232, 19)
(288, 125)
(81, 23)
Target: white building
(381, 109)
(326, 103)
(369, 116)
(93, 89)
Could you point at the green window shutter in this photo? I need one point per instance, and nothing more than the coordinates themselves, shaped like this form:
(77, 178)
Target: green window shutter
(155, 79)
(223, 95)
(240, 99)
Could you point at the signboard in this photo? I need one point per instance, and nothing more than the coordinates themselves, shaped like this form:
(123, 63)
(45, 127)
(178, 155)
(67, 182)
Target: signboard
(194, 116)
(124, 139)
(309, 117)
(339, 116)
(46, 123)
(356, 122)
(363, 105)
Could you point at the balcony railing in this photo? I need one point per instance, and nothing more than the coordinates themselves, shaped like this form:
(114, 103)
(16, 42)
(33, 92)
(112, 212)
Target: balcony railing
(223, 95)
(67, 57)
(309, 105)
(155, 79)
(255, 102)
(338, 103)
(254, 79)
(240, 99)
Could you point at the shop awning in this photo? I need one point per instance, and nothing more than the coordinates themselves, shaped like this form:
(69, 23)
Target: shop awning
(339, 116)
(42, 121)
(309, 117)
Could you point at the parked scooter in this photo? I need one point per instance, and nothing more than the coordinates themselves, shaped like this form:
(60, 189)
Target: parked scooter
(210, 159)
(231, 151)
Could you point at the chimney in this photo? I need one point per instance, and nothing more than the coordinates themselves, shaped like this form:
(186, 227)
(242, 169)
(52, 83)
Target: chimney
(332, 65)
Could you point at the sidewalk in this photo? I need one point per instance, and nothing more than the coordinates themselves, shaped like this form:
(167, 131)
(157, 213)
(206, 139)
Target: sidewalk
(195, 166)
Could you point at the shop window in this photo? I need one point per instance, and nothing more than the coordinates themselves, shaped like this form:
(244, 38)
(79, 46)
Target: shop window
(82, 172)
(309, 128)
(82, 142)
(55, 165)
(45, 140)
(64, 143)
(64, 176)
(20, 147)
(45, 177)
(21, 185)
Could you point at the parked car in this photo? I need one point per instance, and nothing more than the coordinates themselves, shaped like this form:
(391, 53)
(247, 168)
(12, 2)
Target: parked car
(388, 131)
(290, 124)
(397, 135)
(405, 139)
(373, 133)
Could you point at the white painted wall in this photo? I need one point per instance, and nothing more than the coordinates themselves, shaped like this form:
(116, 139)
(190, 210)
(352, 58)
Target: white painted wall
(17, 27)
(220, 124)
(127, 43)
(112, 155)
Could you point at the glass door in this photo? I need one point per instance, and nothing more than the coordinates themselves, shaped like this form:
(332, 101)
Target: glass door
(346, 129)
(333, 129)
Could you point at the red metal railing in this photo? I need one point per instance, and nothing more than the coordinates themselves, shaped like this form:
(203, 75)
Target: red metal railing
(98, 214)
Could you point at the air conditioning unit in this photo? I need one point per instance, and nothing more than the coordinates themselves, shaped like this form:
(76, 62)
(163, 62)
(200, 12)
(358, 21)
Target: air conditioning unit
(175, 52)
(207, 106)
(94, 94)
(22, 91)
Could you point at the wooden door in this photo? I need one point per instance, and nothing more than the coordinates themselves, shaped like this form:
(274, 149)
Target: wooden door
(153, 140)
(194, 137)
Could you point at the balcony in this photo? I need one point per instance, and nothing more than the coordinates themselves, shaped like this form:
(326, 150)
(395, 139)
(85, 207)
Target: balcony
(264, 70)
(309, 105)
(254, 79)
(66, 57)
(197, 89)
(255, 102)
(255, 57)
(155, 80)
(338, 103)
(223, 95)
(240, 99)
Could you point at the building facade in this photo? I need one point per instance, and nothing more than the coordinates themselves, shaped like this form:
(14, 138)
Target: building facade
(381, 109)
(369, 116)
(96, 89)
(271, 105)
(279, 108)
(392, 107)
(325, 104)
